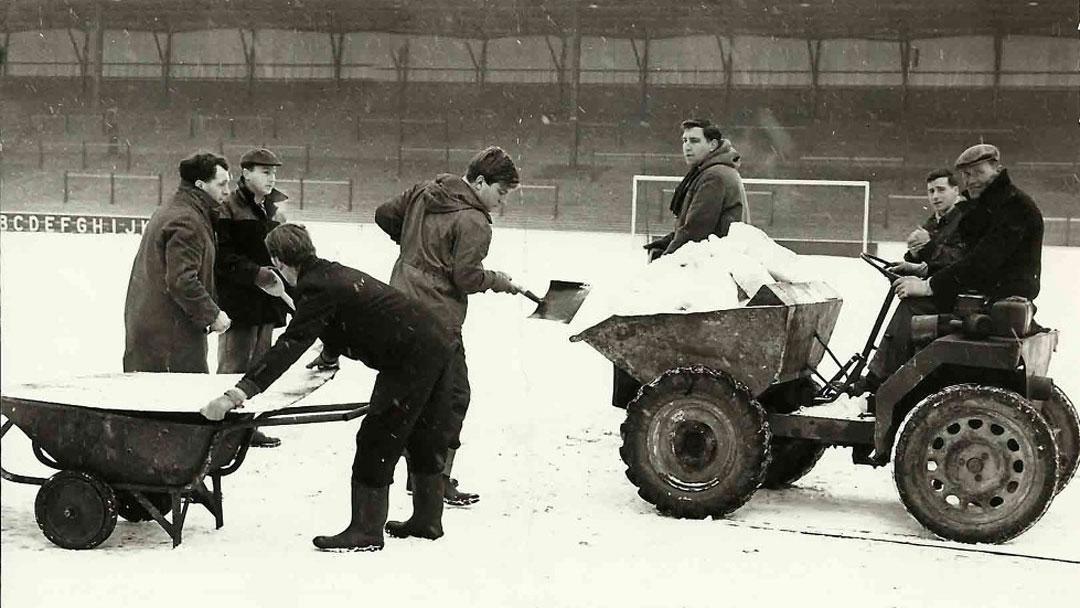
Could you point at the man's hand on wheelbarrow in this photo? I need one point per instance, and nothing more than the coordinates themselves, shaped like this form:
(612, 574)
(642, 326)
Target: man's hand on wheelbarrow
(219, 406)
(912, 287)
(323, 362)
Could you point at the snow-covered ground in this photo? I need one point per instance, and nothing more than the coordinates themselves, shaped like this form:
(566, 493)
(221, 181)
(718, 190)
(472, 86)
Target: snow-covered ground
(558, 523)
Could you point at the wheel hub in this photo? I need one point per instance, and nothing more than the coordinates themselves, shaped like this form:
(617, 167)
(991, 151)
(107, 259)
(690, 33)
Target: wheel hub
(688, 447)
(976, 466)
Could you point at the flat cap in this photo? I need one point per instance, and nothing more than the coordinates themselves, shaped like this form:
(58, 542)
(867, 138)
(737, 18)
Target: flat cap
(260, 156)
(977, 154)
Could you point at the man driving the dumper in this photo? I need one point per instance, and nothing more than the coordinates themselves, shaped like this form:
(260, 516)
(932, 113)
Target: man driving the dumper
(1002, 230)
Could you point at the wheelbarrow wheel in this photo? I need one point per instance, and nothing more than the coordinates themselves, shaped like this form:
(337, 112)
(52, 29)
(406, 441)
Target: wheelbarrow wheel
(75, 510)
(695, 443)
(129, 507)
(792, 457)
(976, 464)
(1060, 414)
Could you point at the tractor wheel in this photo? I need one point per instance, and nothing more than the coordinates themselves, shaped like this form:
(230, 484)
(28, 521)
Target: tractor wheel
(75, 510)
(695, 443)
(129, 508)
(792, 458)
(1060, 414)
(976, 464)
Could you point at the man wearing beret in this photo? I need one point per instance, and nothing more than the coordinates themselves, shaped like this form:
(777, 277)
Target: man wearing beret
(1002, 230)
(243, 268)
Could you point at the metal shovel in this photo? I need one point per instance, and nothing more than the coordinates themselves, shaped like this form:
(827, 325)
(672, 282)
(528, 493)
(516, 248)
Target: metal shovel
(562, 301)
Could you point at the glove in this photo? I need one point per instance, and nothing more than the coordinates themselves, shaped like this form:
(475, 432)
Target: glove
(218, 406)
(912, 287)
(221, 323)
(503, 283)
(323, 363)
(269, 281)
(909, 268)
(917, 240)
(657, 244)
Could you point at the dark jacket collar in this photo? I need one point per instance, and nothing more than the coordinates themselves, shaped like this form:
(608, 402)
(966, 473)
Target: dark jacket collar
(199, 200)
(998, 191)
(270, 201)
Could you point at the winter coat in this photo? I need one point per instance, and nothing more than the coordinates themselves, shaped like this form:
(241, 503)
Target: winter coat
(356, 316)
(170, 297)
(708, 199)
(1003, 232)
(241, 232)
(444, 233)
(944, 247)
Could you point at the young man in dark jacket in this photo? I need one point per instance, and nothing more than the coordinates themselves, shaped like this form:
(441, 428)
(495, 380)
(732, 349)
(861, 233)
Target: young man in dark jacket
(359, 317)
(243, 264)
(170, 305)
(443, 227)
(936, 244)
(711, 195)
(1002, 229)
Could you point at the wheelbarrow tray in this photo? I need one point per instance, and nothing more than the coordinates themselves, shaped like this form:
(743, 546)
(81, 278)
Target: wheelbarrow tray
(127, 447)
(141, 428)
(778, 336)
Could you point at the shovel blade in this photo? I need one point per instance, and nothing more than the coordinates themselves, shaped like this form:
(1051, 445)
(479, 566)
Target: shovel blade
(562, 301)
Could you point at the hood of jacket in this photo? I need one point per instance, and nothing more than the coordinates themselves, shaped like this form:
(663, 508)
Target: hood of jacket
(449, 193)
(724, 154)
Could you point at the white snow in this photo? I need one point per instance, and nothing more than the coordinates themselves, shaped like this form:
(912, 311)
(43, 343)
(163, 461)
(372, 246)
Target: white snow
(558, 523)
(846, 407)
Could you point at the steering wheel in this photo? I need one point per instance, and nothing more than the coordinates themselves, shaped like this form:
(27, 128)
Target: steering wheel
(881, 265)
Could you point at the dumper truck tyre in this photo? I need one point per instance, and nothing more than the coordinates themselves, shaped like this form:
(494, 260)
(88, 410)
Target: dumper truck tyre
(976, 464)
(1060, 414)
(792, 457)
(75, 510)
(695, 443)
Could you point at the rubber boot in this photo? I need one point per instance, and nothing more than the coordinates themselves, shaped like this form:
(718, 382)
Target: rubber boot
(365, 531)
(426, 520)
(452, 495)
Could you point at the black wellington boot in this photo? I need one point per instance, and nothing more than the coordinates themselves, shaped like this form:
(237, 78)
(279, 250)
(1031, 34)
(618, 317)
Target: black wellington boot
(365, 532)
(426, 520)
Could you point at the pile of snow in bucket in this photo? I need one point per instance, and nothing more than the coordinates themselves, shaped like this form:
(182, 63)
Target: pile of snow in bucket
(716, 274)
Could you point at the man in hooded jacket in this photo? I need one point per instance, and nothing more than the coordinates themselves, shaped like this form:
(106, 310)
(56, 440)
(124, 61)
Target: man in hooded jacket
(443, 228)
(711, 196)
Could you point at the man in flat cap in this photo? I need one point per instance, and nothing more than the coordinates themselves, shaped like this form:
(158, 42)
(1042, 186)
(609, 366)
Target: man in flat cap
(1002, 230)
(243, 268)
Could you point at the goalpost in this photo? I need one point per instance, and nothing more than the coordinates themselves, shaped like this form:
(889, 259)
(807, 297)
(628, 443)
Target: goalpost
(839, 216)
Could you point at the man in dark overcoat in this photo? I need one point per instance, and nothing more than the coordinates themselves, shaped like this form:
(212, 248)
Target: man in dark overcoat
(170, 306)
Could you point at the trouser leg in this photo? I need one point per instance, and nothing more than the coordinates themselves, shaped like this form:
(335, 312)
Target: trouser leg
(397, 402)
(460, 396)
(240, 346)
(896, 347)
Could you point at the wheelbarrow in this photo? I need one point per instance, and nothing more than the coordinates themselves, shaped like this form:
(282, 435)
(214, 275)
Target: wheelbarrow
(140, 465)
(721, 403)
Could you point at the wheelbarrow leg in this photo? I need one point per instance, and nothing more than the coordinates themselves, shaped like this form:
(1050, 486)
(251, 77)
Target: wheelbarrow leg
(176, 530)
(219, 513)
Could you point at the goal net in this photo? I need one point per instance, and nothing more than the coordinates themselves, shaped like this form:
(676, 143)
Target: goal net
(814, 216)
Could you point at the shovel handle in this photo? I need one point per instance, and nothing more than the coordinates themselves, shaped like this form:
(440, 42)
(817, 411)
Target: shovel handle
(532, 296)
